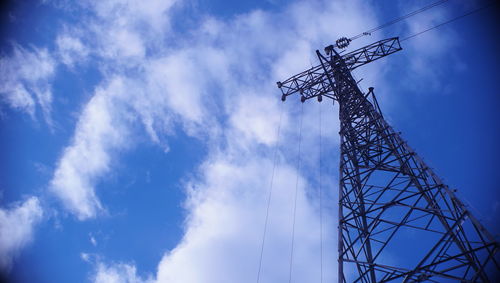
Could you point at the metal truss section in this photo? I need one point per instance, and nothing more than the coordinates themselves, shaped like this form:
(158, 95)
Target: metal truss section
(314, 82)
(397, 220)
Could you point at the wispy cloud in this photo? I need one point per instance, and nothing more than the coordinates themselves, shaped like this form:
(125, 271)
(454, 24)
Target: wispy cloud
(433, 47)
(99, 131)
(25, 80)
(16, 229)
(71, 49)
(116, 34)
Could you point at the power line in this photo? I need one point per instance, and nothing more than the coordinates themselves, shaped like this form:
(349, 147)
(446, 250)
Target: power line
(296, 192)
(320, 201)
(447, 22)
(401, 18)
(270, 194)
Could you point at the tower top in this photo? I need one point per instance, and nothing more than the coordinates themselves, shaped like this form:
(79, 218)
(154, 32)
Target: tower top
(314, 82)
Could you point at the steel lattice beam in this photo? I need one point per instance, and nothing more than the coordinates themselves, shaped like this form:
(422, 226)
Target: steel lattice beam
(388, 197)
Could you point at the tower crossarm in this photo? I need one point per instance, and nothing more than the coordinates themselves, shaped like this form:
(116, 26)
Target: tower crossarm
(309, 83)
(370, 53)
(314, 82)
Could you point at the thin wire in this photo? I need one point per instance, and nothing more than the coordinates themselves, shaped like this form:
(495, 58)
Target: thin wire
(270, 193)
(296, 191)
(320, 201)
(401, 18)
(449, 21)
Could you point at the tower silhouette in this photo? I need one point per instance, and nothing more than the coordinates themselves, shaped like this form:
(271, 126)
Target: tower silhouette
(397, 219)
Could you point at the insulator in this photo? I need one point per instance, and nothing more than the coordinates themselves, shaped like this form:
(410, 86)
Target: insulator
(320, 98)
(283, 97)
(342, 42)
(302, 98)
(279, 84)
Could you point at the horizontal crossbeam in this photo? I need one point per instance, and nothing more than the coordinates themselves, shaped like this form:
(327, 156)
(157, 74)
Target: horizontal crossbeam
(314, 81)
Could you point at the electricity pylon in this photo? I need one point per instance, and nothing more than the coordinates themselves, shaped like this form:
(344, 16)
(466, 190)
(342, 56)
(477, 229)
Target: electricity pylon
(397, 220)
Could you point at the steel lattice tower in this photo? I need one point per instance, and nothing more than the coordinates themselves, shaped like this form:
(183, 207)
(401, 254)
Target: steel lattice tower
(397, 219)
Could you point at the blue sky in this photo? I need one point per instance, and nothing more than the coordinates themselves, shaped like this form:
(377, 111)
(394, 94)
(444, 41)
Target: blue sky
(137, 137)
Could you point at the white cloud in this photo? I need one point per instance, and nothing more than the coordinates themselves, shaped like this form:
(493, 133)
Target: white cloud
(25, 78)
(256, 117)
(152, 13)
(92, 239)
(100, 130)
(71, 49)
(126, 29)
(155, 97)
(155, 91)
(117, 273)
(85, 257)
(120, 42)
(181, 83)
(16, 229)
(224, 228)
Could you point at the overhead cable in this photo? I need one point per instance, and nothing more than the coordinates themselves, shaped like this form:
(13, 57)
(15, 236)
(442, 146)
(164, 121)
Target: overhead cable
(296, 193)
(320, 200)
(449, 21)
(401, 18)
(270, 193)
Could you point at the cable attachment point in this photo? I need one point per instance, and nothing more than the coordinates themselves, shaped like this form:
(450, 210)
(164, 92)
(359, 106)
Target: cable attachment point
(342, 42)
(328, 49)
